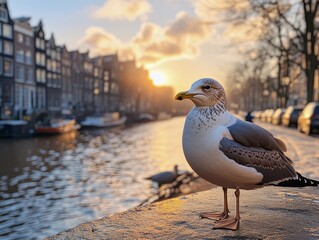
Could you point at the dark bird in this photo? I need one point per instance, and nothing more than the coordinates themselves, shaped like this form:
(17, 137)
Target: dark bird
(164, 177)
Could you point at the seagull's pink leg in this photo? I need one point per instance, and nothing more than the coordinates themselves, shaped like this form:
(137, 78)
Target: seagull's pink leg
(218, 215)
(231, 223)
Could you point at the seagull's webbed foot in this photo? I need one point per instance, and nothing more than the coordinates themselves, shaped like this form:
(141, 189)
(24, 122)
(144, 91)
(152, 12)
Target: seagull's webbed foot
(218, 215)
(214, 216)
(230, 223)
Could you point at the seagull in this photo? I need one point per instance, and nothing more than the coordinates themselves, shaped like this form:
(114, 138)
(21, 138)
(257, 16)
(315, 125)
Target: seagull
(232, 153)
(164, 177)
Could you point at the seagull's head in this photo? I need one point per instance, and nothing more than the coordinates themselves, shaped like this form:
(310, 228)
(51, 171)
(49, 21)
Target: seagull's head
(204, 92)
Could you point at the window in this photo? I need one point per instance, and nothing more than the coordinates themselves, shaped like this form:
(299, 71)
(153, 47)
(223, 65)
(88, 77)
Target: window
(106, 76)
(43, 76)
(42, 44)
(96, 72)
(58, 56)
(7, 93)
(29, 75)
(20, 38)
(0, 44)
(53, 66)
(38, 75)
(20, 73)
(8, 47)
(3, 14)
(106, 87)
(38, 43)
(0, 29)
(43, 59)
(1, 66)
(49, 64)
(38, 58)
(28, 58)
(20, 56)
(7, 30)
(18, 95)
(8, 67)
(27, 41)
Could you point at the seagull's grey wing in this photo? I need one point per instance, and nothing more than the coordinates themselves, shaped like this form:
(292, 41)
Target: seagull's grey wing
(270, 163)
(252, 135)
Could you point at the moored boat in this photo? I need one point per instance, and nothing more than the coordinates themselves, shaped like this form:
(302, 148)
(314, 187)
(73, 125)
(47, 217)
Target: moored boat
(15, 129)
(107, 120)
(57, 126)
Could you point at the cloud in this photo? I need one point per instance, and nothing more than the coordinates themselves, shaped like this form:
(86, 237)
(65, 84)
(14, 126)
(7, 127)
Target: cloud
(180, 39)
(123, 9)
(153, 44)
(99, 41)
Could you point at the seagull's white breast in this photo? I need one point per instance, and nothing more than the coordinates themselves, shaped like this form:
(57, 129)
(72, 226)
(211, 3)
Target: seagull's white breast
(201, 139)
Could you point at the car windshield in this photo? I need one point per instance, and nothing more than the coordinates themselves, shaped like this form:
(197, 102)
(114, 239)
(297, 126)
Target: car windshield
(289, 110)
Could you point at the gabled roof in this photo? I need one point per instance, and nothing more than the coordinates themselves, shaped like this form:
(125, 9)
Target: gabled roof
(51, 41)
(23, 22)
(39, 27)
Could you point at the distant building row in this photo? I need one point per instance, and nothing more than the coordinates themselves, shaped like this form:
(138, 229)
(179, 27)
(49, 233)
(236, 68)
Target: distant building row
(37, 75)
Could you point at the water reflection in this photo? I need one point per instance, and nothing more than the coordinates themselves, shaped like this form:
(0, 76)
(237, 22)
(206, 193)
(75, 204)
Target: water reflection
(49, 184)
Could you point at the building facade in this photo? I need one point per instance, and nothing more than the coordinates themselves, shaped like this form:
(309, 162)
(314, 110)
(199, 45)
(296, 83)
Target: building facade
(54, 76)
(110, 82)
(77, 82)
(6, 61)
(40, 67)
(98, 82)
(25, 87)
(67, 98)
(39, 77)
(88, 85)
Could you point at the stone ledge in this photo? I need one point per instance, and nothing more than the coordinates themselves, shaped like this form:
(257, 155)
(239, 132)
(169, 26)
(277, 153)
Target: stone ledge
(268, 213)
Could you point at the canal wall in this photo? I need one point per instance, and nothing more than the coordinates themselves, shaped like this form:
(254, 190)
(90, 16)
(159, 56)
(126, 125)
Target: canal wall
(268, 213)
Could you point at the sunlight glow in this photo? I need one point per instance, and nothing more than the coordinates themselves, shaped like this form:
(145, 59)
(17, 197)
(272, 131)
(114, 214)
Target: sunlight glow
(158, 78)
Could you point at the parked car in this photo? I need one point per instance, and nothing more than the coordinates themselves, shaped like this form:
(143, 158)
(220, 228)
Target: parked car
(277, 116)
(308, 120)
(267, 115)
(290, 117)
(263, 115)
(257, 114)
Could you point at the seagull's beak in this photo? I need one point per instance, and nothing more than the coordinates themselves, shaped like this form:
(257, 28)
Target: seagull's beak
(184, 95)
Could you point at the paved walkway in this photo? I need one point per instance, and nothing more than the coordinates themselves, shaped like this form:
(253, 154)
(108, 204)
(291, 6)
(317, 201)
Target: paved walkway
(268, 213)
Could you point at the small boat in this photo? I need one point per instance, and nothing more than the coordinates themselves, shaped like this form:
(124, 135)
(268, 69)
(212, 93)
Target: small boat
(145, 117)
(57, 126)
(15, 129)
(107, 120)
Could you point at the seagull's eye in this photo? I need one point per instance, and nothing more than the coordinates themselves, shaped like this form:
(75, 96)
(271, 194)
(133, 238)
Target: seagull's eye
(207, 87)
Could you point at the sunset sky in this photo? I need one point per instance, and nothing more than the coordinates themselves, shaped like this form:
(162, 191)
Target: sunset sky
(166, 36)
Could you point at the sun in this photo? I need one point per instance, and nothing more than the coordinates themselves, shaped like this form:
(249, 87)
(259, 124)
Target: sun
(158, 78)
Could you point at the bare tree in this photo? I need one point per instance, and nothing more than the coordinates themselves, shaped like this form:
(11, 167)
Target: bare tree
(289, 32)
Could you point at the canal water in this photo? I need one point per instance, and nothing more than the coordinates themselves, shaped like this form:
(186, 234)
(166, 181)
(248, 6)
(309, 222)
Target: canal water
(48, 184)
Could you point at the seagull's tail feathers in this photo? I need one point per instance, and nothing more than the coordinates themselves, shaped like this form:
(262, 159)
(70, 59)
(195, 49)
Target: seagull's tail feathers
(299, 181)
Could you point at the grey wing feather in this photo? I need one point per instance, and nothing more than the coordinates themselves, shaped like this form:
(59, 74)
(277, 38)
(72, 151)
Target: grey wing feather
(270, 163)
(252, 135)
